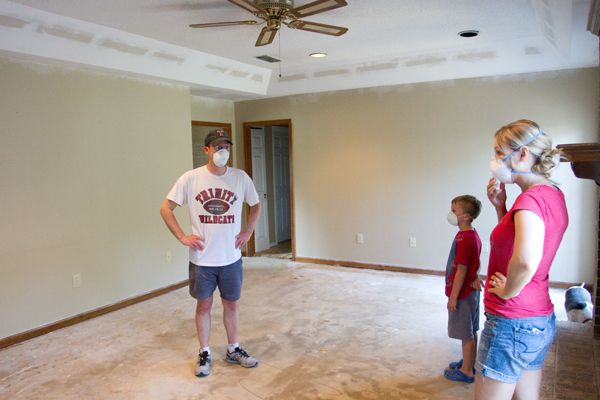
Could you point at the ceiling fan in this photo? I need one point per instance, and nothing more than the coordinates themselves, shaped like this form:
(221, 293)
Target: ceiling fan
(277, 12)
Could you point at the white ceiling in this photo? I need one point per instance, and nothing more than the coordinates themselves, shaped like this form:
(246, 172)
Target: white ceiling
(388, 42)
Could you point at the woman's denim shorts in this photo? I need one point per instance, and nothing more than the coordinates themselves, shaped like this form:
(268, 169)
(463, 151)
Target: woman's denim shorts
(508, 346)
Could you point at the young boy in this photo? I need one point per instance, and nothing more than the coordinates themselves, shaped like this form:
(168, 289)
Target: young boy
(463, 300)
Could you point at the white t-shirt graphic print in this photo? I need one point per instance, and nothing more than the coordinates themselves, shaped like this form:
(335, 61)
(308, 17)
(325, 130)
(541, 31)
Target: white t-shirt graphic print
(215, 204)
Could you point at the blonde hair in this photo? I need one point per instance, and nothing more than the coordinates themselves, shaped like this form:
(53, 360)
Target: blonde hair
(528, 134)
(469, 204)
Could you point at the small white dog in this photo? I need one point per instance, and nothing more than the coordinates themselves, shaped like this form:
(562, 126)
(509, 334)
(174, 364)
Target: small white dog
(578, 303)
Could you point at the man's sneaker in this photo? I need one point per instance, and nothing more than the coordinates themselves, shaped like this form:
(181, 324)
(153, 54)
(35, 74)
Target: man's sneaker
(239, 356)
(203, 364)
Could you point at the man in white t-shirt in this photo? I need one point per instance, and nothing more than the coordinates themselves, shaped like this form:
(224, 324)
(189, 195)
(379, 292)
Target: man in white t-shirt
(215, 195)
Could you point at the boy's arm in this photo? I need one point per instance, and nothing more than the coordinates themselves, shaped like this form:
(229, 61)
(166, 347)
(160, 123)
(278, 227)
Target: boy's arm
(459, 279)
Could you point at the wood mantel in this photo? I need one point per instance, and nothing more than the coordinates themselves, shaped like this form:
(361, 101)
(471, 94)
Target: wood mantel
(585, 163)
(584, 158)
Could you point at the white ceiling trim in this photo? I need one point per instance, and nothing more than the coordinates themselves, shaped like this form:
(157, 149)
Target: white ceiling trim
(389, 42)
(482, 61)
(32, 32)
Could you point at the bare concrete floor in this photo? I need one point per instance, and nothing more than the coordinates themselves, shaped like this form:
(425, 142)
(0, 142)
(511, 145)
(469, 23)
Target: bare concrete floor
(319, 333)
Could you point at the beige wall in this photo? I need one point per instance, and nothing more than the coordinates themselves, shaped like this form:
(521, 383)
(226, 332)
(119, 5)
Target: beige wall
(85, 161)
(386, 162)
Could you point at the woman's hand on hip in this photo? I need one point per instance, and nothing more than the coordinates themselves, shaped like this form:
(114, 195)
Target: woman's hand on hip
(497, 284)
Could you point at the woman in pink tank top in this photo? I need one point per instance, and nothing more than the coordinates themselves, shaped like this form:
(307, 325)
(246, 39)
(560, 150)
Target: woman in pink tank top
(520, 323)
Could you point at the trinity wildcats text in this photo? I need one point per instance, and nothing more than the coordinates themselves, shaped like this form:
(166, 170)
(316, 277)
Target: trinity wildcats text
(217, 202)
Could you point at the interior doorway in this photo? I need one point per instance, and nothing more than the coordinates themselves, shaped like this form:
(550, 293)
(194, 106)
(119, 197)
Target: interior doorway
(268, 154)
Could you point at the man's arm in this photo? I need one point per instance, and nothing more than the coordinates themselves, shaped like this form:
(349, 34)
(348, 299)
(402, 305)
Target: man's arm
(167, 214)
(242, 238)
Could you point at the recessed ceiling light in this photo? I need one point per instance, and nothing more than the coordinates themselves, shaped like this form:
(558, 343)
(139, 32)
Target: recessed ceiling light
(468, 33)
(318, 55)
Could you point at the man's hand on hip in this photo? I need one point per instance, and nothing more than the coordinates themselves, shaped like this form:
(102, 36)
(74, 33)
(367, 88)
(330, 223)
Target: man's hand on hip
(193, 241)
(241, 239)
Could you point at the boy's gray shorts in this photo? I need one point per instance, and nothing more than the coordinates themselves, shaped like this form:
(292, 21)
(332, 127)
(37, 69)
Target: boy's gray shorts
(228, 278)
(464, 322)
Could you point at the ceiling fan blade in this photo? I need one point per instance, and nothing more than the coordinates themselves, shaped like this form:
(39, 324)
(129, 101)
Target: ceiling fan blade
(265, 37)
(316, 7)
(318, 28)
(226, 23)
(246, 4)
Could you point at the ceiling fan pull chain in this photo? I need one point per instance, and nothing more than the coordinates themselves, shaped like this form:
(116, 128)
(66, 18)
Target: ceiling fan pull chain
(279, 55)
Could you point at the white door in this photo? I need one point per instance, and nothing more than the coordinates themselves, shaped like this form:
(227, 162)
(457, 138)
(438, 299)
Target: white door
(259, 176)
(281, 178)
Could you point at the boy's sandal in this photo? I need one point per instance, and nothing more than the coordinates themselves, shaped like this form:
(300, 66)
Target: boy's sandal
(457, 376)
(458, 365)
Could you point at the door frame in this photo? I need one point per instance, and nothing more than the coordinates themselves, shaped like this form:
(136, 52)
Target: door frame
(248, 167)
(224, 125)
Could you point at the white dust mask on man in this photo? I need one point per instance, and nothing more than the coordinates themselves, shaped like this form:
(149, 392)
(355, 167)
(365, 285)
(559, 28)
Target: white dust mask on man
(221, 157)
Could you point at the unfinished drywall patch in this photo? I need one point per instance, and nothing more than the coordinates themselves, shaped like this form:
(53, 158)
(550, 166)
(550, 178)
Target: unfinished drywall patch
(530, 77)
(168, 57)
(65, 33)
(378, 67)
(425, 61)
(12, 22)
(295, 77)
(217, 68)
(479, 56)
(123, 47)
(239, 74)
(331, 72)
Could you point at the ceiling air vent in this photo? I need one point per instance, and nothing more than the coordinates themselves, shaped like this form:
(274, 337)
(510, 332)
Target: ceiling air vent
(268, 59)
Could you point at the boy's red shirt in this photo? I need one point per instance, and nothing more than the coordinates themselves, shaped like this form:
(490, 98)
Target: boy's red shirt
(467, 250)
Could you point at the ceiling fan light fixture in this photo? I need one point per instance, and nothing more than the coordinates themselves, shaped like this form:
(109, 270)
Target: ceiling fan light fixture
(318, 55)
(273, 24)
(284, 4)
(276, 13)
(468, 33)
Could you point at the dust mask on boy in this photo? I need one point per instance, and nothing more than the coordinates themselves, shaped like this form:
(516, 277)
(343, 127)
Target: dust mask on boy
(452, 219)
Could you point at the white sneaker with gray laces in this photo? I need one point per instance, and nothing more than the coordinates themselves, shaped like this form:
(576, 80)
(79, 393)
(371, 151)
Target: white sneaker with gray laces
(203, 364)
(239, 356)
